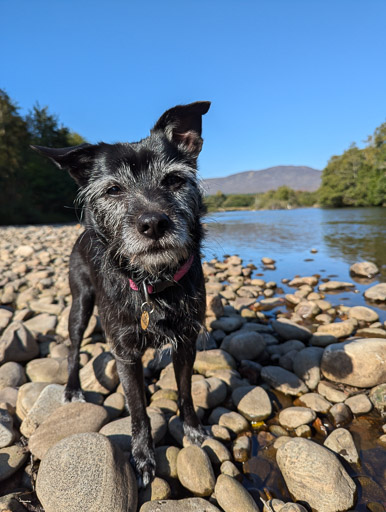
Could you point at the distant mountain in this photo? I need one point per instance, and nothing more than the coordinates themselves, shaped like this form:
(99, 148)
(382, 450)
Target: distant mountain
(252, 182)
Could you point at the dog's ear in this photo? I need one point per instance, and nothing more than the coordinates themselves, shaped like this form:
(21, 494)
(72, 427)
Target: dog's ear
(182, 125)
(77, 159)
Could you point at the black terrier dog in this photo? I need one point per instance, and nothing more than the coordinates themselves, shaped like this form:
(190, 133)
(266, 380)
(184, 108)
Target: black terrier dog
(139, 260)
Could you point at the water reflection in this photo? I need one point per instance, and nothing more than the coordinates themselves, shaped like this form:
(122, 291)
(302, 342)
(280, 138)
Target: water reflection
(340, 236)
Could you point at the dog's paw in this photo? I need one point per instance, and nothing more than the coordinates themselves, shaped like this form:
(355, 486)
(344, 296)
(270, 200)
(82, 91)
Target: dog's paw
(73, 395)
(195, 435)
(144, 465)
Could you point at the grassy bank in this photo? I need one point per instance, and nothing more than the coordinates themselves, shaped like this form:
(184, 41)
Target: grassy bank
(281, 199)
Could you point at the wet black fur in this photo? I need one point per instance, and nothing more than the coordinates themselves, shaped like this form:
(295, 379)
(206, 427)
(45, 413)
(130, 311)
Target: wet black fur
(119, 183)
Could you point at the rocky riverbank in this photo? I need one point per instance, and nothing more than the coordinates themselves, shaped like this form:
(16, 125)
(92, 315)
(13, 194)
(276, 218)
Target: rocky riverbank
(290, 388)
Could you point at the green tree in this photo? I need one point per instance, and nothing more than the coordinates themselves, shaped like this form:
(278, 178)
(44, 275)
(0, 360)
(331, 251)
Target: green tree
(13, 156)
(358, 176)
(52, 190)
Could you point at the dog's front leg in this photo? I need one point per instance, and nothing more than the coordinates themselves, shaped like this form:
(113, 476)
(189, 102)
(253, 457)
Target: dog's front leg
(142, 450)
(183, 359)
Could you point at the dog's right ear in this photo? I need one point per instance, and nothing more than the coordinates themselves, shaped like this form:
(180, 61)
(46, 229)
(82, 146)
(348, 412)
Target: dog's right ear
(77, 159)
(182, 125)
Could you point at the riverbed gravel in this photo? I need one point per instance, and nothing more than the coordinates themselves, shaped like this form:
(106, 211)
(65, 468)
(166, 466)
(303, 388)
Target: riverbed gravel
(283, 383)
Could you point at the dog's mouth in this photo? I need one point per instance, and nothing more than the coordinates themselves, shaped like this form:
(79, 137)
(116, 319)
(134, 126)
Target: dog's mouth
(156, 258)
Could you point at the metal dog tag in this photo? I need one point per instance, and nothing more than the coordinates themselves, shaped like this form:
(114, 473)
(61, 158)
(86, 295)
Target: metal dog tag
(145, 318)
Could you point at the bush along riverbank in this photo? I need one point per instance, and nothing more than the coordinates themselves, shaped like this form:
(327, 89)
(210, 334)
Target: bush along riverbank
(282, 198)
(291, 390)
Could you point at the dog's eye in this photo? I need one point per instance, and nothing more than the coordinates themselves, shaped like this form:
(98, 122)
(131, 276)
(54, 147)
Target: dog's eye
(114, 191)
(174, 181)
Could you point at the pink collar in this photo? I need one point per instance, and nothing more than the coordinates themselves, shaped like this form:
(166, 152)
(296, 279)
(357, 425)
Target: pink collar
(160, 285)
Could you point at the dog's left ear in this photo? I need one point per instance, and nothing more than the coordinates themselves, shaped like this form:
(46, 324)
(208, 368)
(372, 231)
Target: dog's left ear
(182, 125)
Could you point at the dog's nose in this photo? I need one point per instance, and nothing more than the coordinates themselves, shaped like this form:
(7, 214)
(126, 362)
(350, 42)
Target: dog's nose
(153, 224)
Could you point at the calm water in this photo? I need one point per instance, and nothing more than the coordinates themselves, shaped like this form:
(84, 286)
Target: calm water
(341, 237)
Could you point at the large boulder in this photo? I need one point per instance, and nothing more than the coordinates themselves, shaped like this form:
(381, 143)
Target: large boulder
(86, 472)
(313, 474)
(358, 362)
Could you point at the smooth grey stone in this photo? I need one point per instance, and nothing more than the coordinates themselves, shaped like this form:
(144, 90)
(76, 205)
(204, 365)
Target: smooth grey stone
(341, 442)
(313, 474)
(86, 472)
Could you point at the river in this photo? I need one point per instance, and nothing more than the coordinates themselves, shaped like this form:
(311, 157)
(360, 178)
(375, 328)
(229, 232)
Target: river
(341, 237)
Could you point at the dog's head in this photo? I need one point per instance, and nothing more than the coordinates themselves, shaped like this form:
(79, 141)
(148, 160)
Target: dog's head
(143, 199)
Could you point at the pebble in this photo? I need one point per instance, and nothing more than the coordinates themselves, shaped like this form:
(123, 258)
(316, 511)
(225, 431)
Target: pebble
(17, 344)
(293, 417)
(331, 393)
(114, 404)
(166, 461)
(358, 362)
(371, 332)
(69, 419)
(244, 345)
(378, 398)
(195, 471)
(5, 318)
(289, 330)
(303, 431)
(158, 489)
(363, 314)
(315, 402)
(211, 360)
(7, 434)
(341, 442)
(234, 422)
(283, 380)
(43, 323)
(27, 396)
(376, 293)
(119, 431)
(242, 448)
(208, 393)
(340, 414)
(50, 398)
(185, 505)
(281, 440)
(364, 269)
(322, 340)
(100, 374)
(216, 451)
(359, 404)
(11, 459)
(228, 323)
(252, 402)
(231, 378)
(307, 366)
(300, 460)
(11, 375)
(338, 329)
(218, 432)
(9, 396)
(96, 476)
(228, 468)
(232, 496)
(335, 285)
(299, 281)
(47, 370)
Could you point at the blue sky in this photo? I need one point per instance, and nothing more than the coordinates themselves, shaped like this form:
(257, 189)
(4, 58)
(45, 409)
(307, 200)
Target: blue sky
(292, 82)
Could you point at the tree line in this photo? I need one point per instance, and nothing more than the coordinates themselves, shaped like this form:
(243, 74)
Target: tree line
(33, 191)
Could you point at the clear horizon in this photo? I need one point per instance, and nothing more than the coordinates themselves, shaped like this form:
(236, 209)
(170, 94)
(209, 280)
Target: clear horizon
(294, 82)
